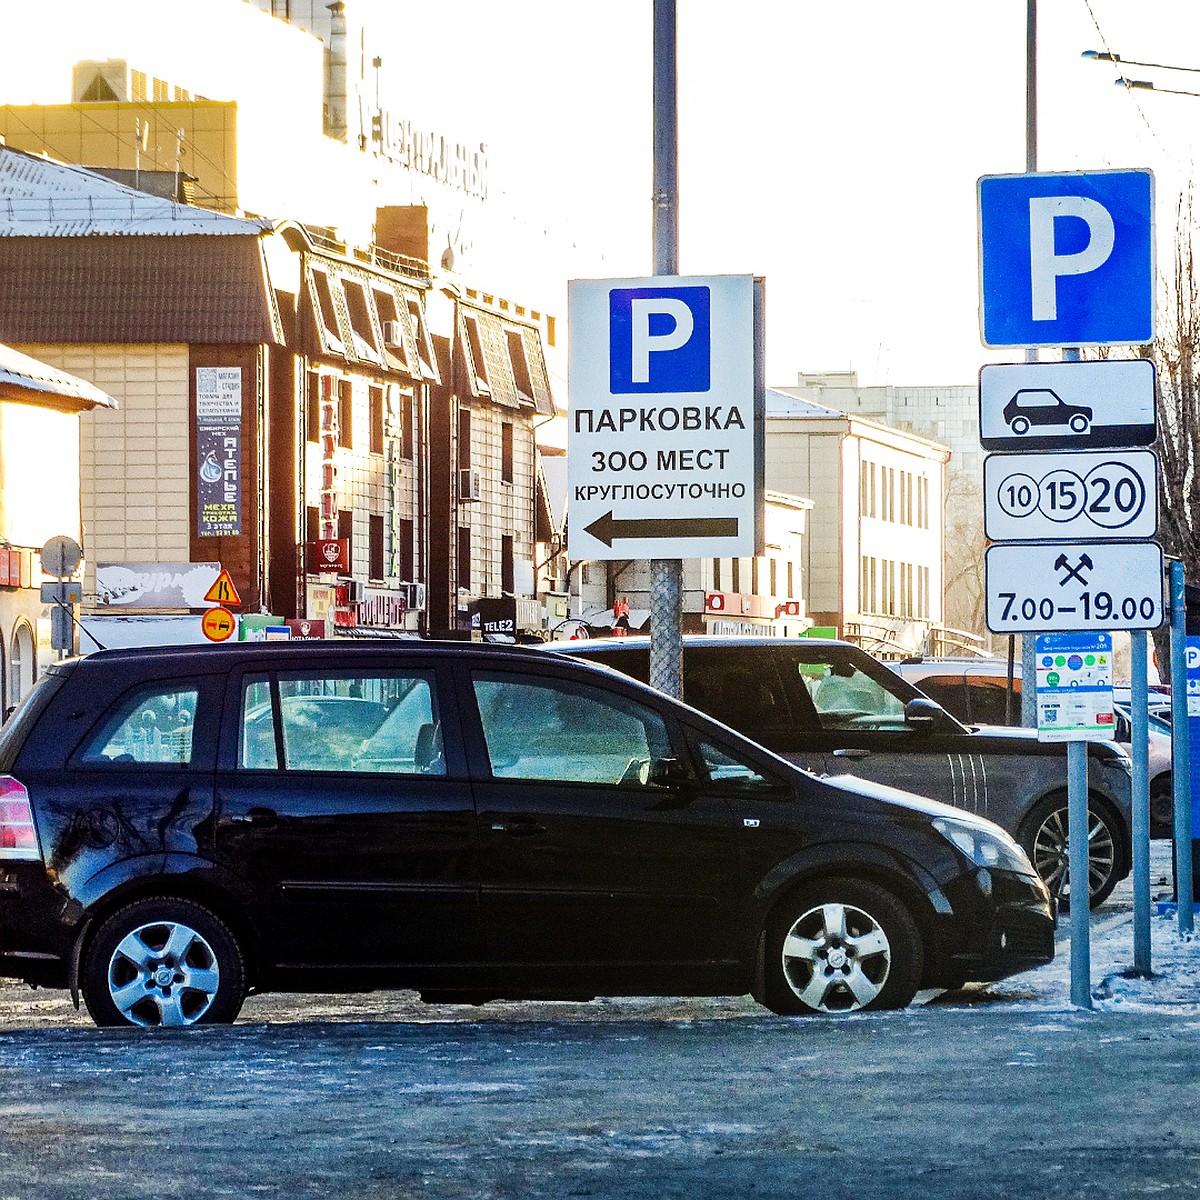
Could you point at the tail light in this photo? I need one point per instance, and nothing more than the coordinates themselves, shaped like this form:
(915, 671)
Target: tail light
(18, 834)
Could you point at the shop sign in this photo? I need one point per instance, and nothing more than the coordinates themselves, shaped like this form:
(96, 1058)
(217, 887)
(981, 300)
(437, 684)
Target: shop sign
(219, 451)
(154, 584)
(330, 556)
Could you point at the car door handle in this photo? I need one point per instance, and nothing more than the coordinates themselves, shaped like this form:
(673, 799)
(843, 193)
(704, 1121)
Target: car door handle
(851, 752)
(255, 816)
(518, 828)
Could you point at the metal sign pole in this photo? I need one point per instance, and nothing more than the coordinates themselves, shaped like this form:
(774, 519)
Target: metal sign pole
(1140, 722)
(1181, 774)
(666, 574)
(1077, 839)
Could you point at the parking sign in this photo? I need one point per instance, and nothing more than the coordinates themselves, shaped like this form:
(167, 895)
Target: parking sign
(1067, 260)
(665, 434)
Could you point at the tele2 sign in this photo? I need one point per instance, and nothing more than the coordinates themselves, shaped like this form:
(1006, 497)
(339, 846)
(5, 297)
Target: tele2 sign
(1067, 260)
(665, 435)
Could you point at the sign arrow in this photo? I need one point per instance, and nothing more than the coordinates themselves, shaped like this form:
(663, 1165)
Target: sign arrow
(607, 529)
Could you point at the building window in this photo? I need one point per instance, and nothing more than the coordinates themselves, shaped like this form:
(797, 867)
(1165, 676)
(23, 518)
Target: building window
(464, 438)
(326, 309)
(312, 524)
(908, 498)
(873, 605)
(421, 335)
(716, 574)
(506, 452)
(773, 567)
(376, 406)
(394, 341)
(137, 86)
(507, 568)
(404, 534)
(360, 313)
(345, 413)
(346, 533)
(791, 578)
(312, 407)
(520, 365)
(464, 557)
(375, 546)
(735, 575)
(478, 362)
(406, 425)
(754, 577)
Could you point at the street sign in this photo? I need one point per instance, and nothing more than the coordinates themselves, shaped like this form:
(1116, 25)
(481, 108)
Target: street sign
(665, 440)
(61, 556)
(218, 624)
(223, 591)
(1041, 497)
(1074, 687)
(1067, 405)
(1066, 260)
(62, 593)
(1063, 586)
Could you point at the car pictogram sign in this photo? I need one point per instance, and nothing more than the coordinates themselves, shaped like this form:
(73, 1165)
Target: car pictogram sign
(223, 591)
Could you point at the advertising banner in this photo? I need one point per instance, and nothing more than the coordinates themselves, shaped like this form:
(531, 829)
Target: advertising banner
(219, 451)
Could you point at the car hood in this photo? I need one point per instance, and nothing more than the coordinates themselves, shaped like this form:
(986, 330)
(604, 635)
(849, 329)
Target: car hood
(896, 798)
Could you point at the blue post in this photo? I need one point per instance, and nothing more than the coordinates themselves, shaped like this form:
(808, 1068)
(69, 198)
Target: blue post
(1140, 720)
(1180, 768)
(1079, 874)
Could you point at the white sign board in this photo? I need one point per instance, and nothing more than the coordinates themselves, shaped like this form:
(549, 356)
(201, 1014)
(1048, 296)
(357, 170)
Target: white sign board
(664, 444)
(1063, 586)
(1067, 405)
(1039, 497)
(1074, 687)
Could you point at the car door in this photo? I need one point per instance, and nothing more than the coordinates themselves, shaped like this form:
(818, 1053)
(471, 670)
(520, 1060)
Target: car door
(860, 707)
(597, 847)
(343, 802)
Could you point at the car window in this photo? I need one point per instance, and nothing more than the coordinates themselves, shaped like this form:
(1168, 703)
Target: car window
(739, 687)
(153, 725)
(949, 691)
(563, 730)
(989, 699)
(361, 724)
(848, 698)
(725, 768)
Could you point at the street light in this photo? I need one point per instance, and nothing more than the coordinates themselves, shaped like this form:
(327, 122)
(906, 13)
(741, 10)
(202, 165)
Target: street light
(1146, 86)
(1107, 56)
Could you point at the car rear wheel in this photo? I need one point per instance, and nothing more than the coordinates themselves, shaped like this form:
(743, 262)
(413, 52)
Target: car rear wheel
(163, 962)
(1162, 807)
(840, 946)
(1019, 425)
(1044, 836)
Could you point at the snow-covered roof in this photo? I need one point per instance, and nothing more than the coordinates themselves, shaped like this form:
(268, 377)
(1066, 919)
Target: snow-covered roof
(780, 404)
(26, 379)
(43, 198)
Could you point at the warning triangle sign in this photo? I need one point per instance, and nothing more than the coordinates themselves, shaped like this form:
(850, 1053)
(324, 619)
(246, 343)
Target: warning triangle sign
(223, 591)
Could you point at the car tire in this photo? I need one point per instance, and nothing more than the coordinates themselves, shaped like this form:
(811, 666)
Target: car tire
(1044, 836)
(840, 946)
(1079, 423)
(163, 962)
(1162, 807)
(1019, 425)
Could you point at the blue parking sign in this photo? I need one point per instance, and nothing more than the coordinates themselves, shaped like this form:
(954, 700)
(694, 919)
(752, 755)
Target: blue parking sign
(1067, 260)
(660, 340)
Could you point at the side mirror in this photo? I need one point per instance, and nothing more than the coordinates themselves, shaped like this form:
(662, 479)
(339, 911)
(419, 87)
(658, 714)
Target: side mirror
(922, 714)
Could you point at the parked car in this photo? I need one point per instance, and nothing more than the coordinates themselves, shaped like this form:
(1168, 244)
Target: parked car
(829, 706)
(974, 690)
(1041, 406)
(516, 825)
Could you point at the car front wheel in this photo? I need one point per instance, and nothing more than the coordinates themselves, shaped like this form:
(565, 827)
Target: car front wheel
(1020, 425)
(840, 946)
(163, 962)
(1044, 836)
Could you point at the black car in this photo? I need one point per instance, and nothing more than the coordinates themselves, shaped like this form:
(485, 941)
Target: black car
(1041, 406)
(513, 825)
(830, 707)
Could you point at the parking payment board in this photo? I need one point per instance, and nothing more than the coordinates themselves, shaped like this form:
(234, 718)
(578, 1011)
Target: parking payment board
(1193, 711)
(1074, 687)
(665, 434)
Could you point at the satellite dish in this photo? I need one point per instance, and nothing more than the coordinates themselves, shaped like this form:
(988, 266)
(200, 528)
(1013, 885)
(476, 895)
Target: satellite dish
(61, 556)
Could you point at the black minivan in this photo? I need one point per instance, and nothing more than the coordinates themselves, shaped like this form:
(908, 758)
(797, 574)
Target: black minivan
(180, 826)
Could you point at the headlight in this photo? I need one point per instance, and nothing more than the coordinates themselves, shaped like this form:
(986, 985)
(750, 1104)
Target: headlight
(991, 848)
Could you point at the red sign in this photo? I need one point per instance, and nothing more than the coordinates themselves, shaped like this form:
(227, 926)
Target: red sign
(223, 591)
(218, 624)
(331, 555)
(304, 630)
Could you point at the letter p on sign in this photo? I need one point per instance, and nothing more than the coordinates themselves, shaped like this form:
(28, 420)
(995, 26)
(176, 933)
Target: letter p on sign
(1067, 260)
(660, 340)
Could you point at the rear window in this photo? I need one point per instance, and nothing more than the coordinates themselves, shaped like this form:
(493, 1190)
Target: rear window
(151, 725)
(21, 722)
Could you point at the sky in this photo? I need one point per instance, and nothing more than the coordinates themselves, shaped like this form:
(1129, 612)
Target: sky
(832, 148)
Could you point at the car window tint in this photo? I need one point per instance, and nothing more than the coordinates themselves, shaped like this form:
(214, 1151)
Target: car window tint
(949, 691)
(377, 723)
(152, 726)
(989, 696)
(739, 688)
(847, 698)
(561, 730)
(726, 769)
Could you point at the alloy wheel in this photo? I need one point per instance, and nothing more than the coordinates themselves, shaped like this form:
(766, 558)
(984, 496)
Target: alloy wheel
(1050, 846)
(163, 973)
(836, 958)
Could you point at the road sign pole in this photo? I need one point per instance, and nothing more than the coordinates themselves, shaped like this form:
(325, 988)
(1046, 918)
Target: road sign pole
(1077, 838)
(1140, 720)
(1181, 775)
(666, 585)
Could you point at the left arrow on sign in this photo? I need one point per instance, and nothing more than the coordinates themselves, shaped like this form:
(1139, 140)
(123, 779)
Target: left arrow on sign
(607, 529)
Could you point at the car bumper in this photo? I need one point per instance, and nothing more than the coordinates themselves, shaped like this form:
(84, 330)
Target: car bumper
(1002, 924)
